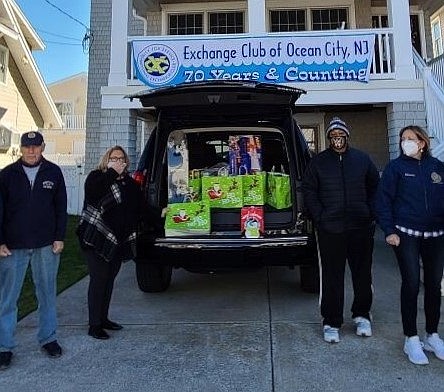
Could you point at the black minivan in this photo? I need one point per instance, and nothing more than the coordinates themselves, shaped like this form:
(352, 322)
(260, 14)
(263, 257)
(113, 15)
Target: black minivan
(203, 119)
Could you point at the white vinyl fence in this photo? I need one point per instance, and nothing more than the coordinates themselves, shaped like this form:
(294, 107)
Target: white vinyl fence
(74, 180)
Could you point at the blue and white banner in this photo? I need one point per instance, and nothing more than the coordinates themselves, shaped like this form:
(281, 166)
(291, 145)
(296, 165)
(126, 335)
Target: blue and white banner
(170, 60)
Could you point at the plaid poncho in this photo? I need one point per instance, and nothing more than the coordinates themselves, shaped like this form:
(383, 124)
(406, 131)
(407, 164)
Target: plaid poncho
(93, 232)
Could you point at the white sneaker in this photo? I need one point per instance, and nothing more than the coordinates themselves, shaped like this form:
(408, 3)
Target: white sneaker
(413, 349)
(434, 344)
(331, 334)
(363, 326)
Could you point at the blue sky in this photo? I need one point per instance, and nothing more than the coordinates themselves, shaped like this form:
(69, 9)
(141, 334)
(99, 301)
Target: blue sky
(64, 55)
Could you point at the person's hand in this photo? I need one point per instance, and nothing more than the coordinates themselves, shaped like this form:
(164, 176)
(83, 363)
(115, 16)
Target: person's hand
(57, 247)
(4, 251)
(392, 239)
(118, 166)
(164, 212)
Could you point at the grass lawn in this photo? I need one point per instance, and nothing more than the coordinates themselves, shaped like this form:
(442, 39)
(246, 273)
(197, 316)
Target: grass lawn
(72, 269)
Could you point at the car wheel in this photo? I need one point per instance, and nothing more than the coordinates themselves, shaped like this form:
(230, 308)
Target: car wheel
(309, 278)
(153, 278)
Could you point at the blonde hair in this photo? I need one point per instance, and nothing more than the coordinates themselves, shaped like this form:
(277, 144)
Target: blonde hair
(420, 133)
(103, 163)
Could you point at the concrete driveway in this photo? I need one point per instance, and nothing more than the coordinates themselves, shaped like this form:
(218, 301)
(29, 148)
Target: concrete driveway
(248, 332)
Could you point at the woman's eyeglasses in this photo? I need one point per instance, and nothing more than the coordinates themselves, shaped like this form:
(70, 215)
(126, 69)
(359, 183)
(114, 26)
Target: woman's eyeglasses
(115, 159)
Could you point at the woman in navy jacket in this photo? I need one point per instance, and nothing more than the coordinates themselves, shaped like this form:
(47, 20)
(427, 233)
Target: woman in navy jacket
(410, 209)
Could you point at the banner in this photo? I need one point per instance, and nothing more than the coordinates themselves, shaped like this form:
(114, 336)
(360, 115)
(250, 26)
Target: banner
(169, 60)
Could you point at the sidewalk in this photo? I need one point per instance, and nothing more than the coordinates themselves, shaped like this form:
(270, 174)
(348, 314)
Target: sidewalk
(246, 332)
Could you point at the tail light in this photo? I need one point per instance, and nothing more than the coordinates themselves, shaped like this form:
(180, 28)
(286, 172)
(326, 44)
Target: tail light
(139, 177)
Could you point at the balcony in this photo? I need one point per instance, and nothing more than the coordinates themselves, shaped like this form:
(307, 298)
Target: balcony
(73, 121)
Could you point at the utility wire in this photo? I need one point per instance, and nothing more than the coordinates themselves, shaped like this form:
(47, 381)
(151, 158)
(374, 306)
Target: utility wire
(88, 38)
(62, 43)
(57, 35)
(68, 15)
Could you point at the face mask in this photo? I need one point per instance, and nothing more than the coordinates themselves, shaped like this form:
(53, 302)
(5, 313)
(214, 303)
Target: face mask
(409, 147)
(338, 142)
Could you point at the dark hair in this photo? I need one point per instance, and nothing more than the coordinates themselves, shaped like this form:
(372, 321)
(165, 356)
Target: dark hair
(421, 135)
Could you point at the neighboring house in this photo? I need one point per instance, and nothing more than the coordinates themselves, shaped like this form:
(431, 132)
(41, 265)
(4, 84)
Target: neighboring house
(400, 90)
(69, 96)
(25, 103)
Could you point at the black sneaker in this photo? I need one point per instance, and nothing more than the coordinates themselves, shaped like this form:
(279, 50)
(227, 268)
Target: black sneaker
(111, 325)
(5, 359)
(52, 349)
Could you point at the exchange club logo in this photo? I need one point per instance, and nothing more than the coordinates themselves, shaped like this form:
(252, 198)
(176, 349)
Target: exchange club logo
(158, 63)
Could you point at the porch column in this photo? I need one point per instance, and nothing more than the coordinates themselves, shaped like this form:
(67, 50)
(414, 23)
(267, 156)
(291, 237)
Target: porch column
(399, 20)
(256, 16)
(119, 36)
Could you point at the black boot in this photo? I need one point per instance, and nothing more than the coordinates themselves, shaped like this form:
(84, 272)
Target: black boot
(97, 332)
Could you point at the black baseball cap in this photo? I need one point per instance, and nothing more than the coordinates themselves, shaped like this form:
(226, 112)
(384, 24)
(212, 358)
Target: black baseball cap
(31, 139)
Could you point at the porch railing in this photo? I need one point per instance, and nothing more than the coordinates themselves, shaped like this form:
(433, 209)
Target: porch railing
(74, 121)
(434, 104)
(382, 67)
(437, 66)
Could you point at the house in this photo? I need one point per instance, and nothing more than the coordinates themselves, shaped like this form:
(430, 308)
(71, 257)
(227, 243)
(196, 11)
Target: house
(69, 95)
(402, 86)
(25, 102)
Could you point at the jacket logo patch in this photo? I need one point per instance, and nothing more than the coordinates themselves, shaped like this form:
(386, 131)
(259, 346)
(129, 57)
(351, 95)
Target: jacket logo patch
(48, 185)
(409, 174)
(436, 178)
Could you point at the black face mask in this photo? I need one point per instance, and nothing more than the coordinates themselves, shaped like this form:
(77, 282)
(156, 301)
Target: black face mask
(338, 142)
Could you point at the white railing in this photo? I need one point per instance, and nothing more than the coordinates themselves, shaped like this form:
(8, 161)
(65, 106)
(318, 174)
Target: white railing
(383, 64)
(437, 66)
(434, 104)
(74, 121)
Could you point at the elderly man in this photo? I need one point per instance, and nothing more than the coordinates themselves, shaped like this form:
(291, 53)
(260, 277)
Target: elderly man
(339, 187)
(33, 228)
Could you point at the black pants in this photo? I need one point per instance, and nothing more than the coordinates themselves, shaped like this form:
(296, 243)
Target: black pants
(356, 246)
(408, 253)
(101, 283)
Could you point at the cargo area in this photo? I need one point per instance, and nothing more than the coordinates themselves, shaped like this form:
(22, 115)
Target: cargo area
(228, 181)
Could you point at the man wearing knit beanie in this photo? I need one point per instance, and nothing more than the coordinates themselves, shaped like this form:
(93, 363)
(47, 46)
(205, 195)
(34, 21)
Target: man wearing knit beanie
(339, 186)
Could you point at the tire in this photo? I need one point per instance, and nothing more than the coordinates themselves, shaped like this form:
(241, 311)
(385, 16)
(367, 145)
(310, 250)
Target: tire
(153, 278)
(309, 278)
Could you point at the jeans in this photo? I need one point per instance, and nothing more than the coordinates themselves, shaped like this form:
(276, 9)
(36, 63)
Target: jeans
(44, 266)
(408, 254)
(356, 247)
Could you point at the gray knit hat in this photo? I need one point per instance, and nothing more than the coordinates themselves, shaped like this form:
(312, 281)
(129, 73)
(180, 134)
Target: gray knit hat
(337, 123)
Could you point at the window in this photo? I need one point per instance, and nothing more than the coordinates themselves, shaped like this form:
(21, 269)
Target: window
(3, 64)
(329, 19)
(287, 20)
(206, 22)
(437, 38)
(226, 22)
(185, 24)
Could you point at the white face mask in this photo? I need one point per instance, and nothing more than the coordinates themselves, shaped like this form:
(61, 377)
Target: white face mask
(409, 147)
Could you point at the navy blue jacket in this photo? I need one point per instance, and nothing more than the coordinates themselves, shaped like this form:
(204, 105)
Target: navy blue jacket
(339, 190)
(33, 218)
(411, 194)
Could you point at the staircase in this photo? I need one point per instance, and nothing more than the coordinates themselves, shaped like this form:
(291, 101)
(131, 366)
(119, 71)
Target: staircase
(432, 75)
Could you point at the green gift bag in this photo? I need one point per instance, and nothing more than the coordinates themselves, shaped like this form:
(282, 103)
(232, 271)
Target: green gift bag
(222, 191)
(187, 219)
(278, 190)
(254, 188)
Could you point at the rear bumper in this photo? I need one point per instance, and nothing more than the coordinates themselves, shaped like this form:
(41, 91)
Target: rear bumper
(211, 252)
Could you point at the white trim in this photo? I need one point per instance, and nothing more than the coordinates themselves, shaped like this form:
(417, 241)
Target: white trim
(5, 50)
